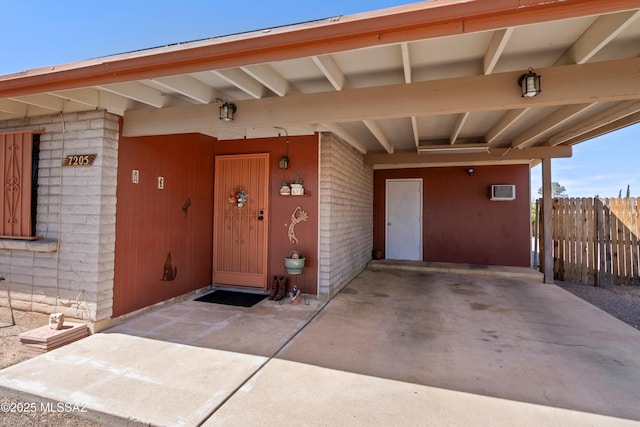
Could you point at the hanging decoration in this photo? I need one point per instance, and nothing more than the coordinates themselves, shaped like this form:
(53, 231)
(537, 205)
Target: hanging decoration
(238, 197)
(297, 216)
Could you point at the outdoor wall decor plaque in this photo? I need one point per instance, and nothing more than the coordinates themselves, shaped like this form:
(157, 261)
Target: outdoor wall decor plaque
(79, 160)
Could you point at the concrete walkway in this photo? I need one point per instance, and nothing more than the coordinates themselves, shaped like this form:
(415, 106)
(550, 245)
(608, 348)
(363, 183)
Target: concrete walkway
(411, 346)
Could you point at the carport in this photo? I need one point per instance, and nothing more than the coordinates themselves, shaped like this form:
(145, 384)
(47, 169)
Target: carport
(428, 94)
(400, 345)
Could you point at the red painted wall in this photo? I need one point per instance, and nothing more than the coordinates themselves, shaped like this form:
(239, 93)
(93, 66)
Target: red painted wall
(460, 223)
(150, 222)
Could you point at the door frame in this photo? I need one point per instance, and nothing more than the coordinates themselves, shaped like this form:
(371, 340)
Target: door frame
(421, 213)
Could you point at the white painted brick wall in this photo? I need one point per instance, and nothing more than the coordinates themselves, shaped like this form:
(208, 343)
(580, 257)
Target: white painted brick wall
(76, 208)
(346, 214)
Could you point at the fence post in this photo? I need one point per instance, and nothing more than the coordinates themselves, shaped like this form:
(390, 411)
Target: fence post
(546, 220)
(607, 269)
(635, 232)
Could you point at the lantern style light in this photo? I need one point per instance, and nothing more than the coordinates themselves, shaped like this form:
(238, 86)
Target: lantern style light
(227, 110)
(283, 163)
(530, 84)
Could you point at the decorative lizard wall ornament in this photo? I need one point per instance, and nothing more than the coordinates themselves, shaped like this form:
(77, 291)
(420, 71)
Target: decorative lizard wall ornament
(297, 216)
(169, 272)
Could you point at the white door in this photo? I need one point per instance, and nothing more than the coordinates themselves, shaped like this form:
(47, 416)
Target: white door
(404, 219)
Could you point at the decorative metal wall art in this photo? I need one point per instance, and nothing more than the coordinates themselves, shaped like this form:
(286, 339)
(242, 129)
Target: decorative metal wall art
(186, 205)
(297, 217)
(169, 272)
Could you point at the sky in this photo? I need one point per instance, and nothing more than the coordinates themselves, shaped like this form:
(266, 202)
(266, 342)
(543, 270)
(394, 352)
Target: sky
(39, 33)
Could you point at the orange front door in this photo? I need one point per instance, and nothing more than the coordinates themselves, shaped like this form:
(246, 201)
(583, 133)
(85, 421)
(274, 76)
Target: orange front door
(240, 227)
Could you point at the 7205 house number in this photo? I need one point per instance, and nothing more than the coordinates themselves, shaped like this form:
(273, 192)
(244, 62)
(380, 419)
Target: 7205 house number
(79, 160)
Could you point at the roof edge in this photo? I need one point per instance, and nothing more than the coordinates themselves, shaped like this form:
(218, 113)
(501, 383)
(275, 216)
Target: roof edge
(423, 20)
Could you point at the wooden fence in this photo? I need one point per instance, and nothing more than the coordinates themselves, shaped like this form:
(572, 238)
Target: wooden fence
(595, 241)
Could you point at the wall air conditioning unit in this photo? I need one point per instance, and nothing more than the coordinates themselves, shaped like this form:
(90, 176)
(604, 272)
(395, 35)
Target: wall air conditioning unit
(503, 192)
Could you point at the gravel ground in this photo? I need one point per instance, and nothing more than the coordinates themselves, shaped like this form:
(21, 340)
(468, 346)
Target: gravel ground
(622, 302)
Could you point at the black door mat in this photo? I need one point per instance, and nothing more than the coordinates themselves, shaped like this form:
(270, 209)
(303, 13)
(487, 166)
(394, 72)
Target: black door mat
(238, 299)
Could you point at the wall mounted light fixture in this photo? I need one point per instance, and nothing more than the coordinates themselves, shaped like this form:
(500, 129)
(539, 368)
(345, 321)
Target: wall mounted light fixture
(283, 163)
(227, 110)
(530, 84)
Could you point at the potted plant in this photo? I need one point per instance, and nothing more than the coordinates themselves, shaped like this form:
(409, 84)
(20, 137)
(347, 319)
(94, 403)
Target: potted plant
(294, 263)
(296, 186)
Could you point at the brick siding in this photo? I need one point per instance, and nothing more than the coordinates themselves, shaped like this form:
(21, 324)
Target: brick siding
(346, 214)
(76, 212)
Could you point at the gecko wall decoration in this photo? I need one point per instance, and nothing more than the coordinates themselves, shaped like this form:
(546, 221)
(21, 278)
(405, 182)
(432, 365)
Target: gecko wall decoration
(169, 273)
(297, 216)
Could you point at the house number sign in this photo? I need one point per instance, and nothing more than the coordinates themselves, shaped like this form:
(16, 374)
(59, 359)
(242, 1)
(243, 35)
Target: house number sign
(79, 160)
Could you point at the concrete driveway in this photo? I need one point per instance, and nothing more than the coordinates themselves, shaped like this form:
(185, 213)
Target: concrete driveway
(421, 345)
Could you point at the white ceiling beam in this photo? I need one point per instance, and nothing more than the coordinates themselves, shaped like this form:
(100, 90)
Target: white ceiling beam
(549, 123)
(507, 120)
(115, 104)
(138, 92)
(603, 118)
(47, 102)
(230, 134)
(242, 81)
(495, 156)
(189, 87)
(597, 36)
(269, 77)
(629, 120)
(406, 66)
(346, 136)
(375, 129)
(406, 62)
(331, 71)
(446, 142)
(496, 47)
(573, 84)
(457, 128)
(88, 97)
(13, 107)
(414, 127)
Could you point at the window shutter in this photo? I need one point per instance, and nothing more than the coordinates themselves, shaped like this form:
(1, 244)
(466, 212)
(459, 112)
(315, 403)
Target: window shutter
(16, 151)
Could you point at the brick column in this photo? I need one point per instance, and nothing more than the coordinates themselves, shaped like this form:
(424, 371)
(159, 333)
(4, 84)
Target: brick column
(346, 214)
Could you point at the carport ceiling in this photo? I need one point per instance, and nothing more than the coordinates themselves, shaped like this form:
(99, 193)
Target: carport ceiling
(440, 73)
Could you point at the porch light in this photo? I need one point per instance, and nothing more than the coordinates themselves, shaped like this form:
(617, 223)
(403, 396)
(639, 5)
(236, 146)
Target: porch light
(530, 84)
(283, 163)
(227, 110)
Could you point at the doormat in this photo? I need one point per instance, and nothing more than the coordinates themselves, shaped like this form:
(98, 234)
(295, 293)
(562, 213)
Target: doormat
(238, 299)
